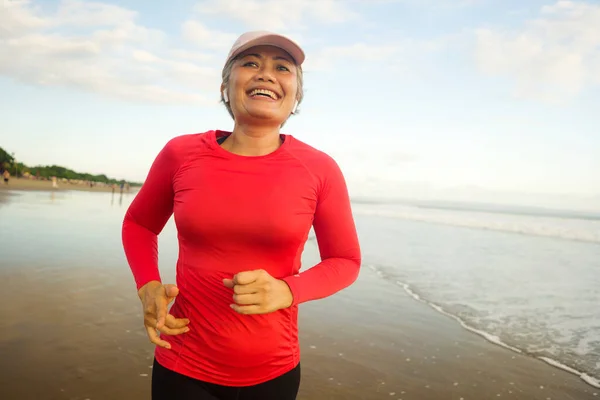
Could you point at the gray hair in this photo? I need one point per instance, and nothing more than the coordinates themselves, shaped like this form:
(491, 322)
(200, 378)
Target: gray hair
(226, 74)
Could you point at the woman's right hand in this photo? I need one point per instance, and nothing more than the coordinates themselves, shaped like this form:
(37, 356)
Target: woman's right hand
(155, 298)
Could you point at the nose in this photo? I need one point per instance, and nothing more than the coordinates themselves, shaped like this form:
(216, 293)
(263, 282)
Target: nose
(265, 74)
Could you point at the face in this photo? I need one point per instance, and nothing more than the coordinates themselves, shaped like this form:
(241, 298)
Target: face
(263, 85)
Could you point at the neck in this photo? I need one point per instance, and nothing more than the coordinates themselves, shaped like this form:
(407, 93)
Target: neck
(248, 140)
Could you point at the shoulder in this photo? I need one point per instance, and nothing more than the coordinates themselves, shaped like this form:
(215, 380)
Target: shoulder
(317, 161)
(324, 169)
(180, 147)
(178, 150)
(182, 143)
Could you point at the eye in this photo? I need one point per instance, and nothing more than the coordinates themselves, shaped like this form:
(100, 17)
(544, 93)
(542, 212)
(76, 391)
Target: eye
(250, 64)
(283, 68)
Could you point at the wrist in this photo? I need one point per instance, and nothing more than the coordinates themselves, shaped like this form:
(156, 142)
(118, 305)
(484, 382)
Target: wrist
(146, 286)
(287, 297)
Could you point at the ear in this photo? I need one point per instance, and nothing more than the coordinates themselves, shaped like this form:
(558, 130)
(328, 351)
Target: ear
(224, 92)
(295, 107)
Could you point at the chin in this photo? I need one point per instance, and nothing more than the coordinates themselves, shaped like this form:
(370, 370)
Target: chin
(266, 114)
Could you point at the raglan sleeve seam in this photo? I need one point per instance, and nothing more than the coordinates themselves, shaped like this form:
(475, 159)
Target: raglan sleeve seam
(143, 223)
(336, 237)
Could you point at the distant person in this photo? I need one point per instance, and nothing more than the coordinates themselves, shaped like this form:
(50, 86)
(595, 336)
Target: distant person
(244, 202)
(6, 176)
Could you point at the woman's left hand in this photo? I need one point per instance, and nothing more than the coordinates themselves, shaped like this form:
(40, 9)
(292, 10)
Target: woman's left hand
(257, 292)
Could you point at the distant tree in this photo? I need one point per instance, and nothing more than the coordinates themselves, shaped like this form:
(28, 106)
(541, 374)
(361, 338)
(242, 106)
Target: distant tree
(48, 171)
(5, 157)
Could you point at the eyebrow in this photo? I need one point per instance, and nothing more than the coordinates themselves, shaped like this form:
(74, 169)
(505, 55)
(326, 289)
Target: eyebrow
(274, 58)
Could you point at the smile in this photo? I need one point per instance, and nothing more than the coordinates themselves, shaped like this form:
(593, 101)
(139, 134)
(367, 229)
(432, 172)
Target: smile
(265, 93)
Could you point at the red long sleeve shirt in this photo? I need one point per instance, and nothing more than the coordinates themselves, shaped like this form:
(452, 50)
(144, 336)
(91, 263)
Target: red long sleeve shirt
(237, 213)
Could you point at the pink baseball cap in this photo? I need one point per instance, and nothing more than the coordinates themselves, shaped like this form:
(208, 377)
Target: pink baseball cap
(262, 38)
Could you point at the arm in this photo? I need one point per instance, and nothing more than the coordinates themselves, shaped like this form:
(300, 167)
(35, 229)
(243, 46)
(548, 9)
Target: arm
(337, 239)
(146, 217)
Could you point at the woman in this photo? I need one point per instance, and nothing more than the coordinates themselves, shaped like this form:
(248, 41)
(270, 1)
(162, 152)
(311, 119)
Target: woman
(244, 203)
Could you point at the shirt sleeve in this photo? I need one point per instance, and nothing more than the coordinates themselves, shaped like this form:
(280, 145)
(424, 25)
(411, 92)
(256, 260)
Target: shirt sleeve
(146, 217)
(337, 239)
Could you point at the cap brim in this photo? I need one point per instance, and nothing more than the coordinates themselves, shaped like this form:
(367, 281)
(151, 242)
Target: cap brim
(274, 40)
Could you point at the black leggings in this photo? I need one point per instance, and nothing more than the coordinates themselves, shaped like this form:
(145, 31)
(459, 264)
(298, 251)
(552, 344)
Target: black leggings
(170, 385)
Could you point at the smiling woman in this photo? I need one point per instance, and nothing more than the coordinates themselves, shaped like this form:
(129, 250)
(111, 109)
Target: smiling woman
(289, 67)
(244, 202)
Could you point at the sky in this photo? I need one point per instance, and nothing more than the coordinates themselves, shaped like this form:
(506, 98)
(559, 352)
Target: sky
(454, 99)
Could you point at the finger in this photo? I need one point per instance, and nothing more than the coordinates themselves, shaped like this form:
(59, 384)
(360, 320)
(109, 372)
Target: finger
(173, 331)
(149, 320)
(245, 289)
(171, 290)
(250, 309)
(176, 323)
(161, 310)
(228, 283)
(246, 299)
(246, 277)
(154, 338)
(150, 315)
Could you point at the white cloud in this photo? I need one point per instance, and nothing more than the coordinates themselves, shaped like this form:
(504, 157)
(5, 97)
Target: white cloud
(400, 54)
(16, 19)
(78, 13)
(100, 47)
(192, 55)
(108, 53)
(200, 35)
(277, 15)
(328, 56)
(437, 4)
(553, 58)
(363, 51)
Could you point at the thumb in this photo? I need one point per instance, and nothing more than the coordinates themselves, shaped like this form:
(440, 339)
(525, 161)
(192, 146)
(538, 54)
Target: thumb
(247, 277)
(228, 283)
(171, 290)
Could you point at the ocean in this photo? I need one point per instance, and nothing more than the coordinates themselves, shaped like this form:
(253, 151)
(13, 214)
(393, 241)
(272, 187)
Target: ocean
(525, 279)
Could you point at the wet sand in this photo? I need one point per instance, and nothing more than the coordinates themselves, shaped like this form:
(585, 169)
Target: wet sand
(74, 332)
(71, 323)
(377, 343)
(30, 184)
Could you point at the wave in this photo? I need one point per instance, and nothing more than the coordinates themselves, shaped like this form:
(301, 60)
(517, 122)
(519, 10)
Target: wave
(561, 228)
(490, 337)
(507, 209)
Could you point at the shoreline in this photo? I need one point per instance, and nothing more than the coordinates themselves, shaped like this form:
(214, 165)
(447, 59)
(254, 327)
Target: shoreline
(425, 357)
(351, 347)
(370, 341)
(23, 184)
(495, 340)
(418, 349)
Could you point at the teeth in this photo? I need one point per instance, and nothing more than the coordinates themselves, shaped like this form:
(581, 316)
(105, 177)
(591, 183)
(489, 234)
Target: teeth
(269, 93)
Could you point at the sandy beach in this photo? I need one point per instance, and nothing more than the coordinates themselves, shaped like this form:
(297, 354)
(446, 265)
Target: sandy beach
(71, 325)
(32, 184)
(384, 345)
(72, 333)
